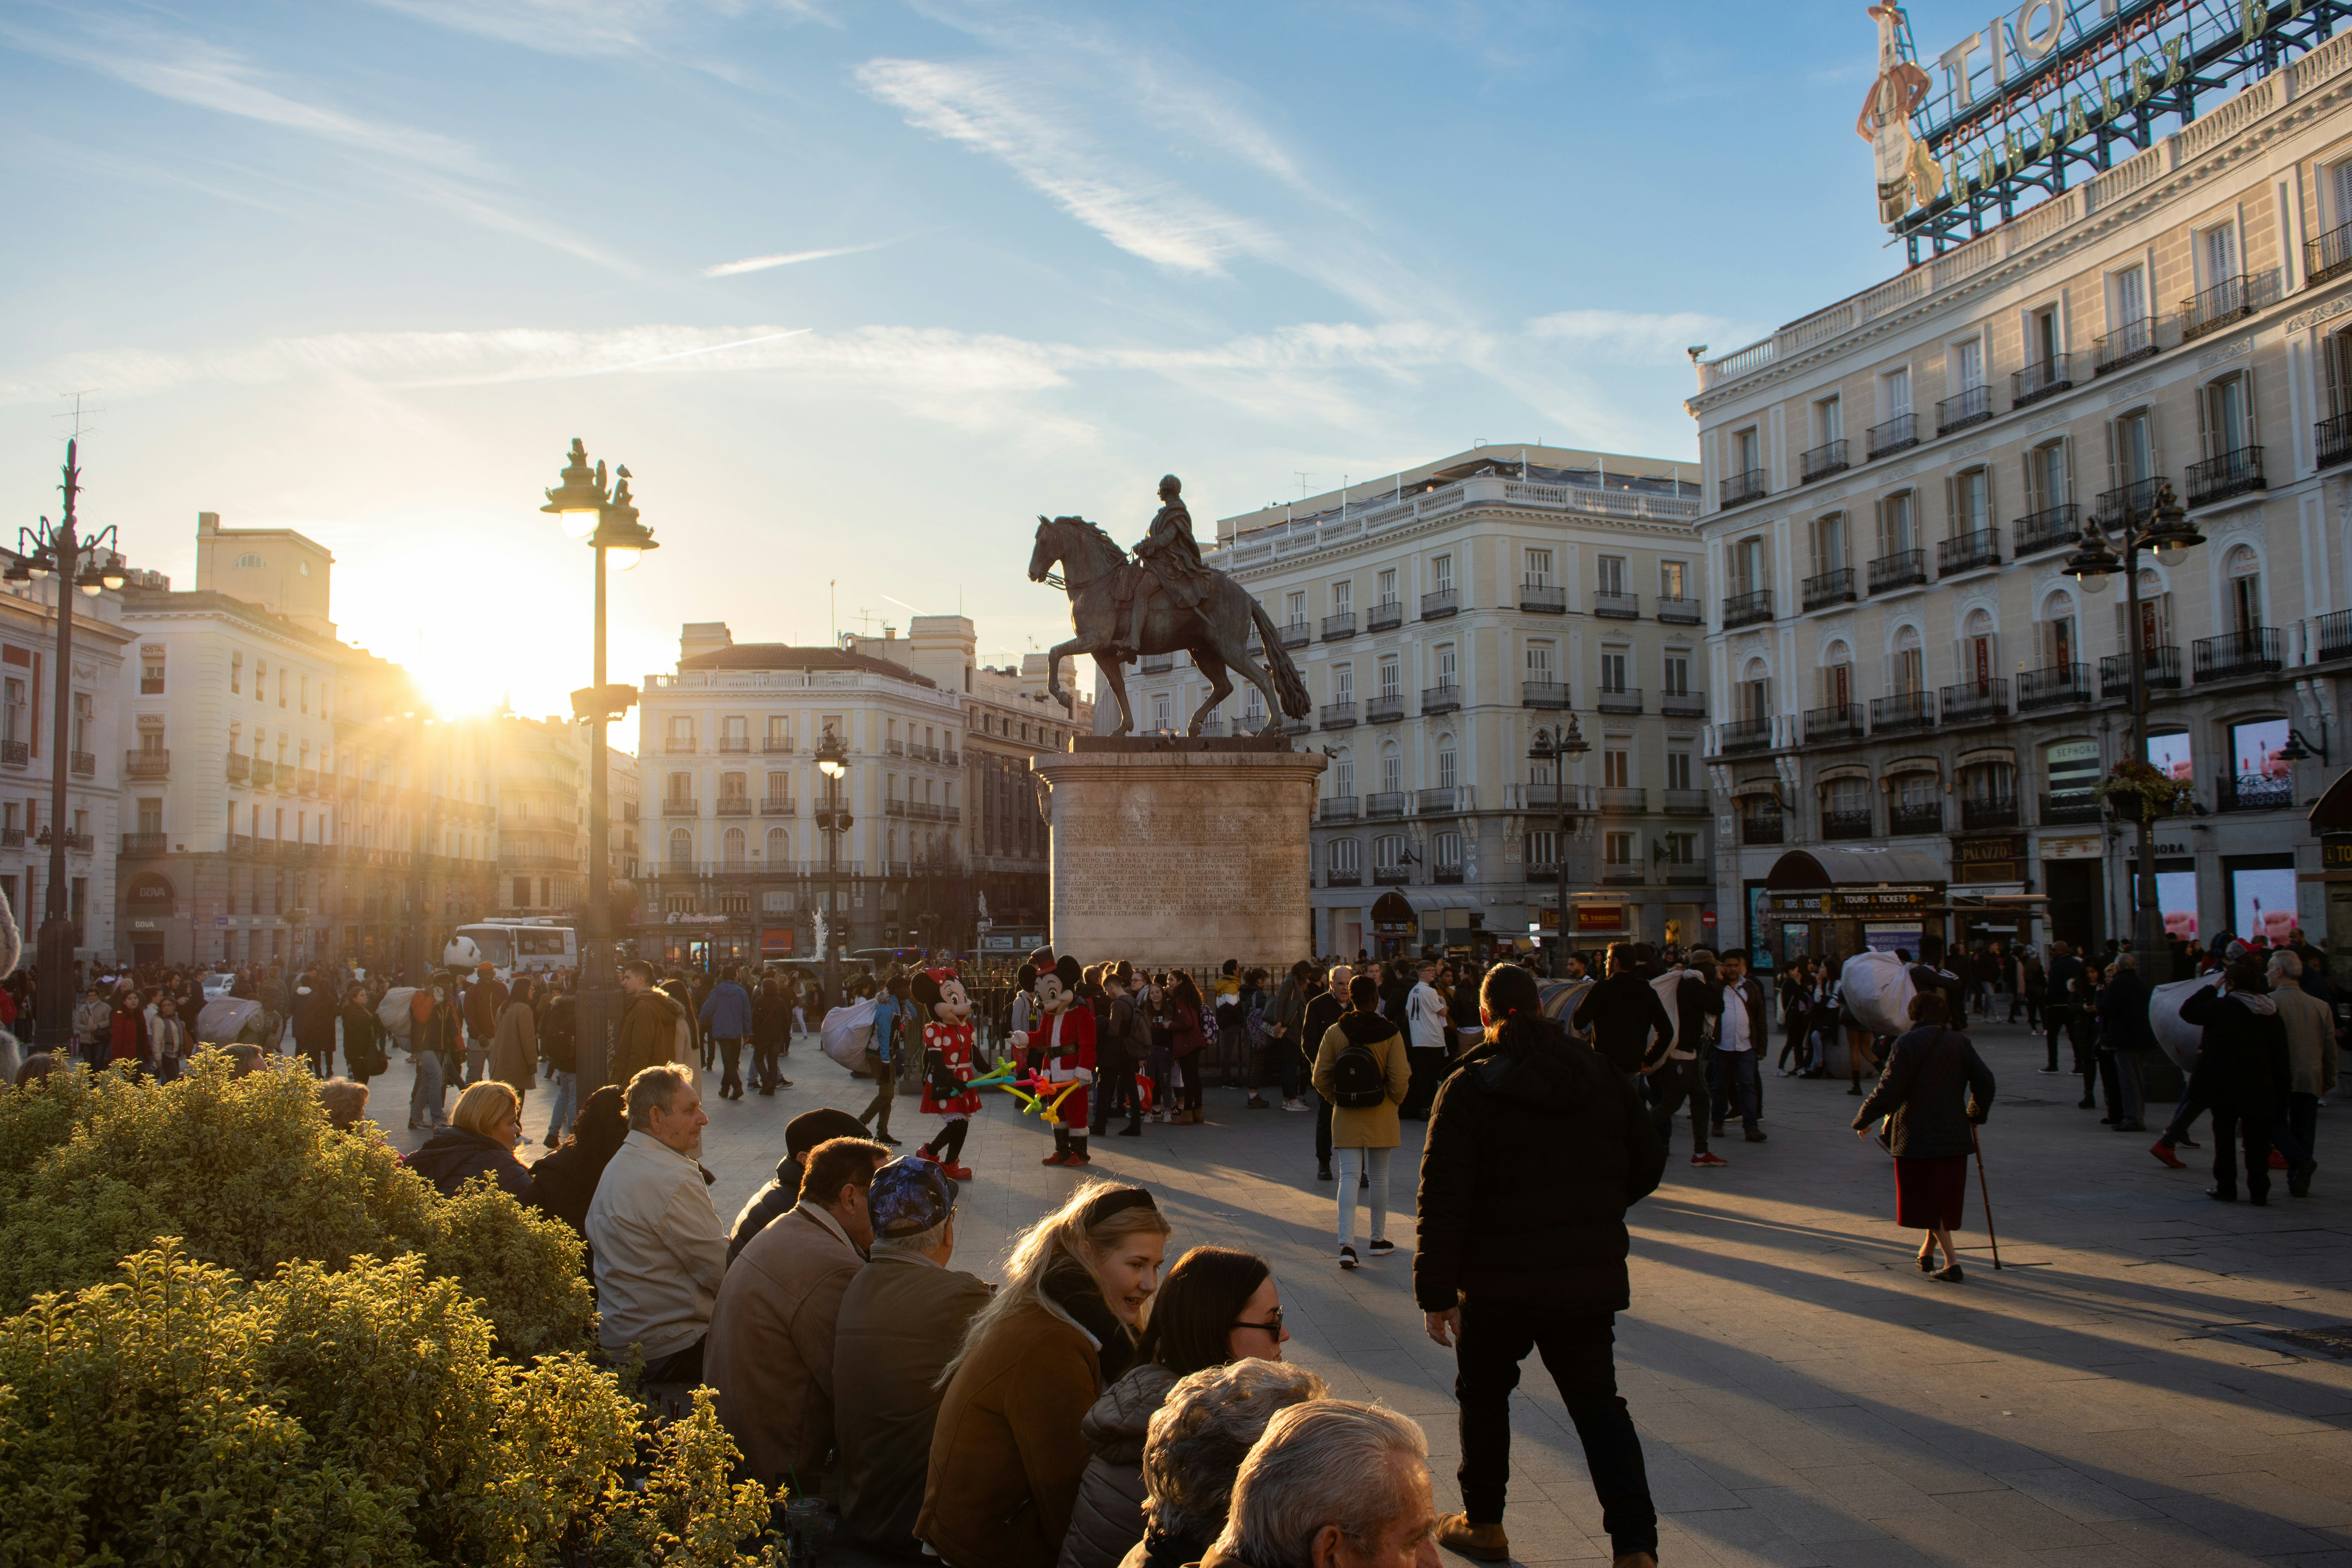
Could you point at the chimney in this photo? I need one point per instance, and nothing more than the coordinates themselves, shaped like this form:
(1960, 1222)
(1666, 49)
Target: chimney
(703, 636)
(207, 523)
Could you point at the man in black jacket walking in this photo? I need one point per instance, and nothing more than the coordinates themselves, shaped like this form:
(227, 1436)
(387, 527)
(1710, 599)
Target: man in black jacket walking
(1621, 1013)
(2058, 996)
(1535, 1150)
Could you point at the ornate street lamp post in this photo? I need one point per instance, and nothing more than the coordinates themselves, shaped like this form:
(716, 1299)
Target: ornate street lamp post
(2165, 530)
(608, 524)
(92, 565)
(834, 819)
(1556, 747)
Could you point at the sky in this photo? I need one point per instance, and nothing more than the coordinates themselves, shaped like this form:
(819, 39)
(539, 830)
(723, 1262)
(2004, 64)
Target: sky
(857, 291)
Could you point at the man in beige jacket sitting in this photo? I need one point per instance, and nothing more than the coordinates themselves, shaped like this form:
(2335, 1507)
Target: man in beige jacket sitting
(660, 1248)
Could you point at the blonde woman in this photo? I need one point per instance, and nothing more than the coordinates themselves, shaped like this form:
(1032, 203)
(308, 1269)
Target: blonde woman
(481, 1136)
(1006, 1456)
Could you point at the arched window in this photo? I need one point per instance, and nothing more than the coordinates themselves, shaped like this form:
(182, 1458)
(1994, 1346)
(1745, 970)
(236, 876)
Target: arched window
(681, 850)
(1978, 659)
(2061, 637)
(733, 850)
(1448, 762)
(2243, 572)
(1343, 775)
(1391, 769)
(1837, 675)
(249, 563)
(780, 848)
(1756, 691)
(1910, 671)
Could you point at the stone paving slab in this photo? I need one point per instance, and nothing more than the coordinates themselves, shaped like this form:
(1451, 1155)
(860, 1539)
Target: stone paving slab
(1805, 1396)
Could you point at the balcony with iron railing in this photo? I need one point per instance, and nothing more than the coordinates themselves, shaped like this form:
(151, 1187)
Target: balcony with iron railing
(1740, 488)
(779, 805)
(1904, 569)
(1445, 874)
(18, 753)
(776, 745)
(1157, 664)
(1443, 698)
(1339, 627)
(1683, 802)
(2128, 344)
(1834, 586)
(146, 764)
(735, 744)
(2040, 380)
(2327, 257)
(1537, 597)
(2332, 441)
(1762, 827)
(1744, 735)
(2048, 529)
(1680, 612)
(1446, 800)
(2230, 474)
(1621, 800)
(1851, 823)
(1893, 434)
(2254, 791)
(682, 806)
(734, 805)
(1747, 609)
(145, 843)
(2053, 686)
(1536, 870)
(1440, 604)
(2128, 504)
(1337, 808)
(2256, 650)
(1912, 816)
(1970, 405)
(2231, 299)
(82, 764)
(1968, 552)
(1987, 811)
(1297, 634)
(1610, 606)
(1903, 710)
(1619, 699)
(1386, 709)
(1353, 876)
(1823, 460)
(1386, 803)
(1683, 704)
(1838, 721)
(1384, 616)
(1337, 716)
(12, 838)
(2335, 635)
(2071, 808)
(1974, 702)
(894, 748)
(678, 744)
(2162, 671)
(1545, 694)
(1392, 876)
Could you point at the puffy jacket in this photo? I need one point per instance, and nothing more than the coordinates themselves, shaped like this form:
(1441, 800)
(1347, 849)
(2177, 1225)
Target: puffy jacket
(1535, 1149)
(727, 1011)
(453, 1156)
(1108, 1517)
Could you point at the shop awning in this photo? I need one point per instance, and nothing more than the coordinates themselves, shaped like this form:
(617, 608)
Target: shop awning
(2332, 812)
(1835, 864)
(1392, 914)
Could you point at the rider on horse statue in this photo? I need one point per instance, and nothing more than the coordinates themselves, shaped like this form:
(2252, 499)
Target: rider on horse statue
(1168, 556)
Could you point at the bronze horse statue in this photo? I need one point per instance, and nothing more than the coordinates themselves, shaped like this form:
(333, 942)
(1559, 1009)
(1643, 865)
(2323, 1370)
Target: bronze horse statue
(1215, 632)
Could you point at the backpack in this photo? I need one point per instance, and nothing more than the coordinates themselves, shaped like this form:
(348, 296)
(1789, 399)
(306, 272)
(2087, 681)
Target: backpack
(1255, 1025)
(1357, 1082)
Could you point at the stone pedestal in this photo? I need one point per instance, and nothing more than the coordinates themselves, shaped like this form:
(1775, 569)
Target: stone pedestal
(1182, 853)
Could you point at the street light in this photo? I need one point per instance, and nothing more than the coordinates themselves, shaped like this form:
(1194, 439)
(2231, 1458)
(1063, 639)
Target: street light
(834, 819)
(608, 524)
(92, 565)
(1556, 747)
(2166, 531)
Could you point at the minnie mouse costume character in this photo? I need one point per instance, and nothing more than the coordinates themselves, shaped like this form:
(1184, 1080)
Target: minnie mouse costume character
(947, 1067)
(1066, 1038)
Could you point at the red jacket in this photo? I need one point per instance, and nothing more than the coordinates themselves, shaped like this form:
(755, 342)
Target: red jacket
(127, 1039)
(1068, 1041)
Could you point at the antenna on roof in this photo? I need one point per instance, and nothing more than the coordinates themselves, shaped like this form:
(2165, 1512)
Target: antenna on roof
(76, 412)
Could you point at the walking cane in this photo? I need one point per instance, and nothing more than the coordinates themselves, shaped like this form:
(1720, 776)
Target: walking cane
(1986, 1192)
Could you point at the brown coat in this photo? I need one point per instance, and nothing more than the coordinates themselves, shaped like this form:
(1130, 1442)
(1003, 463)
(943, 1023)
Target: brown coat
(514, 1049)
(769, 1353)
(1007, 1455)
(647, 1035)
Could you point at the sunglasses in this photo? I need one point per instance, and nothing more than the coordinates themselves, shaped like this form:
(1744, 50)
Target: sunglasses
(1272, 1324)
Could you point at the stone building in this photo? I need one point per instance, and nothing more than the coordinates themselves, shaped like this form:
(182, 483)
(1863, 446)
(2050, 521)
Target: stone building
(1441, 616)
(1907, 689)
(542, 793)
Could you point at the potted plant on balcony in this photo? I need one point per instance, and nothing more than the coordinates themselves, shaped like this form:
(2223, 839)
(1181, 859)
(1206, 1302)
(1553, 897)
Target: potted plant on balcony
(2140, 792)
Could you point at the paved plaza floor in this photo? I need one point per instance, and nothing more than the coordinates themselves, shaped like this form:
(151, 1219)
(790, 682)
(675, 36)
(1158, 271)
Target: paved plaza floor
(2119, 1393)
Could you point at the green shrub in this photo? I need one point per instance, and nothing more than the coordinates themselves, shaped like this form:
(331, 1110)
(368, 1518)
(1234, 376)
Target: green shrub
(249, 1175)
(177, 1413)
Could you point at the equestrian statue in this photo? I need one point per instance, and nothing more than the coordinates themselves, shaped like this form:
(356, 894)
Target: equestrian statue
(1163, 601)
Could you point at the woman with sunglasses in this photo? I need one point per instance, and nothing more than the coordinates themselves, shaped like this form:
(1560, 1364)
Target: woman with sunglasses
(1005, 1454)
(1216, 1305)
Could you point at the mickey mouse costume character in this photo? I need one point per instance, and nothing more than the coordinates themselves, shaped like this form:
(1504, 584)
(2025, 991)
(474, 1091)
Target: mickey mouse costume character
(1066, 1038)
(947, 1067)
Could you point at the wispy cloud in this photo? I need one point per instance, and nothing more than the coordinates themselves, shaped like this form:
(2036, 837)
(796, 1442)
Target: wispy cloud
(988, 111)
(1638, 337)
(581, 27)
(788, 258)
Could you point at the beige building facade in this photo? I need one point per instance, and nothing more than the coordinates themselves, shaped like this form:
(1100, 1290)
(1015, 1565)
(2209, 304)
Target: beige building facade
(1906, 687)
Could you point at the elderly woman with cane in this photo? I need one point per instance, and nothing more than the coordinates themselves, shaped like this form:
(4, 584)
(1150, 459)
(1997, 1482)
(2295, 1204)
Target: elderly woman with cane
(1930, 1130)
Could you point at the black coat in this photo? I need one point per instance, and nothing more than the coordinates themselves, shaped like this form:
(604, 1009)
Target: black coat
(453, 1156)
(2243, 1067)
(1534, 1154)
(2122, 1009)
(559, 1034)
(771, 1017)
(564, 1183)
(363, 1040)
(1620, 1013)
(1921, 1088)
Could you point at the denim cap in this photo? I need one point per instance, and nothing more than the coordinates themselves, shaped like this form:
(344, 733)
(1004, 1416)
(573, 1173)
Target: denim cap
(909, 1196)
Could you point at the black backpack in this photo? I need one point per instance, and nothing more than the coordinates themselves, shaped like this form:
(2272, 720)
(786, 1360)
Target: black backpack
(1358, 1081)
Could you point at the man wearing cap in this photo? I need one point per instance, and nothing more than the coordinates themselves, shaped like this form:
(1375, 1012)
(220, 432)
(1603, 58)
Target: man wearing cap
(901, 1319)
(772, 1202)
(770, 1355)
